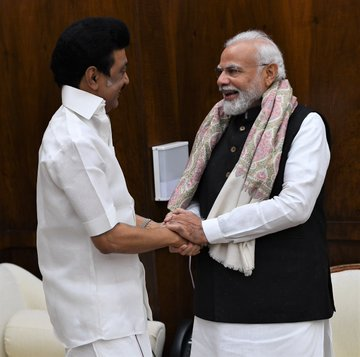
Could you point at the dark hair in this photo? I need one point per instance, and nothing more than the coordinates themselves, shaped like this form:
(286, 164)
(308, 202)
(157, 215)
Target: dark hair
(88, 42)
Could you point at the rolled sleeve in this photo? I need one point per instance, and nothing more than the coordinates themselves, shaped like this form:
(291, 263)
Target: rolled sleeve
(102, 224)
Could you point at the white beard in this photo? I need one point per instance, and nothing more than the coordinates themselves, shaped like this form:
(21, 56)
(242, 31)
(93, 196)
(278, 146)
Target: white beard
(244, 101)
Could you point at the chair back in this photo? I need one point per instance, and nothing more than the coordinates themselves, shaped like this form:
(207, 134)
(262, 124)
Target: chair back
(181, 346)
(345, 323)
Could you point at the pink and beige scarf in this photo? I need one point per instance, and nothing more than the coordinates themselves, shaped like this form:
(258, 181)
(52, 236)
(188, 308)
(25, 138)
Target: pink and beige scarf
(254, 174)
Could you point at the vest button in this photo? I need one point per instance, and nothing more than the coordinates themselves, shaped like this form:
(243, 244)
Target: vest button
(242, 128)
(227, 174)
(233, 149)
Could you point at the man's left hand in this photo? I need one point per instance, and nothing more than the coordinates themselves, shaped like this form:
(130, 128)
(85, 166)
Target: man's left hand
(187, 224)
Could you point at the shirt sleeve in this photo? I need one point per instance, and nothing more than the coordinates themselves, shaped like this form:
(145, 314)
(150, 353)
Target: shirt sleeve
(194, 207)
(304, 175)
(79, 170)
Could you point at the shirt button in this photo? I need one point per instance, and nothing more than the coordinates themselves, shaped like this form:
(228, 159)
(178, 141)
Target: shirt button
(233, 149)
(242, 128)
(227, 174)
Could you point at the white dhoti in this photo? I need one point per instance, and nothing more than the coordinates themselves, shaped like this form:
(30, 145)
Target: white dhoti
(134, 346)
(299, 339)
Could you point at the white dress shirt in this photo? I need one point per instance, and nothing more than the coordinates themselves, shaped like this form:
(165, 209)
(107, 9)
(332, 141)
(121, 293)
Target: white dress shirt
(81, 192)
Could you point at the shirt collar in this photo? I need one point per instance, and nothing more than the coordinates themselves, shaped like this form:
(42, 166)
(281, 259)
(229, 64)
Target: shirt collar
(81, 102)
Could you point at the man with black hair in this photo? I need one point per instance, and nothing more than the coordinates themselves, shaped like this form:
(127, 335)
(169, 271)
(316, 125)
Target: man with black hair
(96, 299)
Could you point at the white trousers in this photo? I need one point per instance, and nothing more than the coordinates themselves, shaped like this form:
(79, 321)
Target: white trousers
(300, 339)
(134, 346)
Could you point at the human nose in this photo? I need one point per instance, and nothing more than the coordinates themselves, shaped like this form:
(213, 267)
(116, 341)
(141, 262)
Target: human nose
(223, 79)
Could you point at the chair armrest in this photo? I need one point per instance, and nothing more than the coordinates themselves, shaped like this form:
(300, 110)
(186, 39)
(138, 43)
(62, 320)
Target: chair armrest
(30, 286)
(157, 333)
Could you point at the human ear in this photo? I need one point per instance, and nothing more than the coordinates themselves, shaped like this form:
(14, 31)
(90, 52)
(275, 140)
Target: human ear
(271, 72)
(91, 77)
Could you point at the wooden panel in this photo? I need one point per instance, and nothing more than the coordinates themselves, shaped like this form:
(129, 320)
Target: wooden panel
(175, 46)
(335, 65)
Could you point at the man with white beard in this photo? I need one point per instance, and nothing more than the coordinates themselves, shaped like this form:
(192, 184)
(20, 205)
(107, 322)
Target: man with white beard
(252, 196)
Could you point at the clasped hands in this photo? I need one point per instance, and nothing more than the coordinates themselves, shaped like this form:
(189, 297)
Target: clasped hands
(187, 225)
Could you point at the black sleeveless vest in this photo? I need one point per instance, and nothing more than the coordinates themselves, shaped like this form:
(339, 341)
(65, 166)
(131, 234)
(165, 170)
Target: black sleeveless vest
(291, 281)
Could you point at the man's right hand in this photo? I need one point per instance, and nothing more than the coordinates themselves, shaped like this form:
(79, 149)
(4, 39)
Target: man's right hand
(184, 247)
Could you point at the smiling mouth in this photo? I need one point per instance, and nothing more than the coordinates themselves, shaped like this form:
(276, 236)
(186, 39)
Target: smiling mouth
(229, 94)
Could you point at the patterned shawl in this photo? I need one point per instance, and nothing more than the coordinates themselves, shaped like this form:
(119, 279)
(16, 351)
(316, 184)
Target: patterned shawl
(254, 174)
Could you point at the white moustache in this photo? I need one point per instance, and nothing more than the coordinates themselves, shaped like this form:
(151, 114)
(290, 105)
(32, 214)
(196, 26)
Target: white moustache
(223, 89)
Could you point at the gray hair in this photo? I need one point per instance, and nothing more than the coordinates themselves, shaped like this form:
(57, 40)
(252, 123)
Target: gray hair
(268, 51)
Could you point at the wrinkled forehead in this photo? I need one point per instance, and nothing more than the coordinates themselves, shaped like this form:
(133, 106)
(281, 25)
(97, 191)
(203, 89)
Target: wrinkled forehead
(241, 53)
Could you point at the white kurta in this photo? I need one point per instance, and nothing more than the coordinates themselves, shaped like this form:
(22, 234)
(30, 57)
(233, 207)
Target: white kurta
(304, 175)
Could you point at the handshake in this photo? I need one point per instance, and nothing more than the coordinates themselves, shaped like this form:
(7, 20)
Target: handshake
(187, 230)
